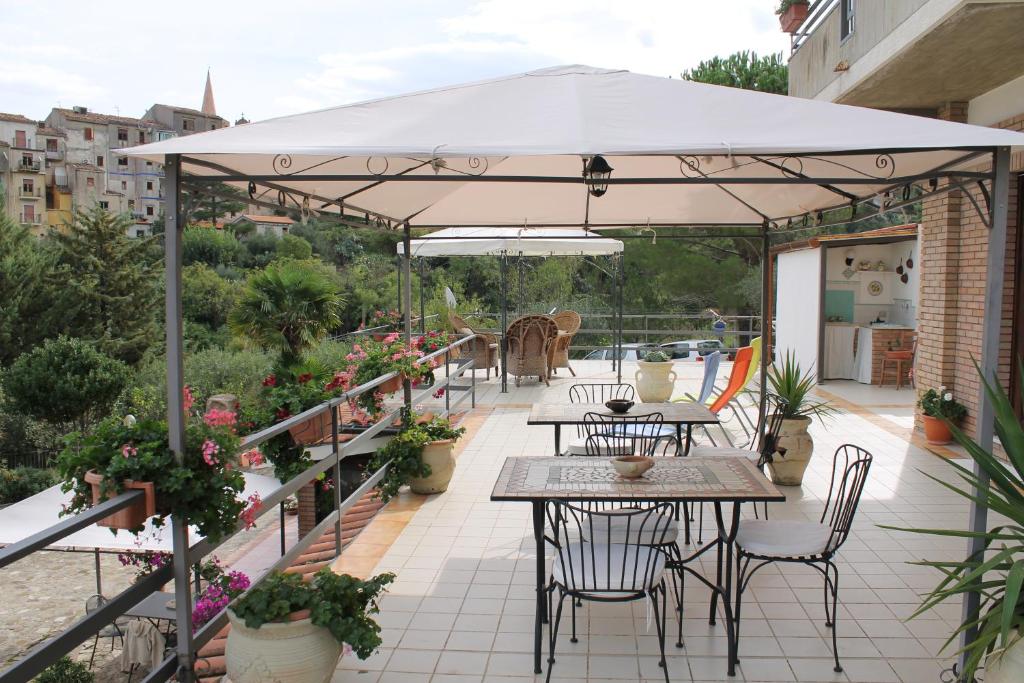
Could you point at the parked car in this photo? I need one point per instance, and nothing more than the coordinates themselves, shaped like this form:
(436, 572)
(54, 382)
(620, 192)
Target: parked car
(696, 349)
(629, 352)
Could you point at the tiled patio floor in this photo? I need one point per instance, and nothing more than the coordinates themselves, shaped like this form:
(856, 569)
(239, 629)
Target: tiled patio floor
(461, 609)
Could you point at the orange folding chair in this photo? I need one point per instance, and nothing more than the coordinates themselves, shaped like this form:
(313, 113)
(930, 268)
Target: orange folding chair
(737, 381)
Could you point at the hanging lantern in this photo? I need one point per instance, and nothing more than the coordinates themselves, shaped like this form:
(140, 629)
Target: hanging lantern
(597, 171)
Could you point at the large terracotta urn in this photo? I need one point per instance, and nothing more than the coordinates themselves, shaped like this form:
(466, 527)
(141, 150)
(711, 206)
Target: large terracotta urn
(440, 457)
(1006, 666)
(655, 381)
(788, 469)
(295, 651)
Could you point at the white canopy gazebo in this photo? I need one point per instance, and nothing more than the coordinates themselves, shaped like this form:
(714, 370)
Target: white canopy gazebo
(590, 149)
(505, 242)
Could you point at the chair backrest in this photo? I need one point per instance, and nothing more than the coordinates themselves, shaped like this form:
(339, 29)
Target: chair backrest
(94, 602)
(599, 393)
(737, 378)
(707, 385)
(458, 324)
(530, 335)
(625, 434)
(755, 362)
(568, 321)
(609, 550)
(850, 467)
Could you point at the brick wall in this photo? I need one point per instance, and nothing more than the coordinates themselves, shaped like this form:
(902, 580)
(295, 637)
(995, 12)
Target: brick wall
(953, 254)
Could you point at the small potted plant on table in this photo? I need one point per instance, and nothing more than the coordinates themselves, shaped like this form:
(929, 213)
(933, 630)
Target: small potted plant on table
(420, 455)
(655, 380)
(796, 446)
(940, 410)
(287, 629)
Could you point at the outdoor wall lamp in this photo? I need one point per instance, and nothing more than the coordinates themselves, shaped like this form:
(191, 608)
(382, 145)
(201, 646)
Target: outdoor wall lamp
(597, 171)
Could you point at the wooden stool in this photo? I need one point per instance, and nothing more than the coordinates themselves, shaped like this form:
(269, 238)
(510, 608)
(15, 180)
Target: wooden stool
(898, 359)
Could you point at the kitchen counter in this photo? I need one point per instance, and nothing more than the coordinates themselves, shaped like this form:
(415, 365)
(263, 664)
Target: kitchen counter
(855, 350)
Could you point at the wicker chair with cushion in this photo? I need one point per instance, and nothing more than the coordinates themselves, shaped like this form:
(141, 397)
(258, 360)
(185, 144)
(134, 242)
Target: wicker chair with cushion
(568, 324)
(529, 342)
(483, 349)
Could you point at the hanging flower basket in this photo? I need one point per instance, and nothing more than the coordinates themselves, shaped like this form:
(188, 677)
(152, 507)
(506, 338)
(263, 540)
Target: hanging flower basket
(313, 431)
(131, 517)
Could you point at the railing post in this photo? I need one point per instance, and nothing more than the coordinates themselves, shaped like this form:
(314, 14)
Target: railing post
(337, 479)
(447, 383)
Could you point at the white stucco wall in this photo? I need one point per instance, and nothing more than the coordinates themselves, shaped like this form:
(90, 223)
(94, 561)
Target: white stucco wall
(798, 306)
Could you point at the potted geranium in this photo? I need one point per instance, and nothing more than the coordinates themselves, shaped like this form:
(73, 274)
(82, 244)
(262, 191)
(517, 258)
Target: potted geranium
(792, 14)
(383, 319)
(999, 574)
(793, 387)
(939, 410)
(420, 455)
(289, 392)
(655, 380)
(373, 359)
(287, 629)
(121, 454)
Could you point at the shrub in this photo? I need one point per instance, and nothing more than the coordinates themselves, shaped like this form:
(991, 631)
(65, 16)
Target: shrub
(64, 381)
(22, 482)
(66, 670)
(207, 298)
(292, 246)
(212, 247)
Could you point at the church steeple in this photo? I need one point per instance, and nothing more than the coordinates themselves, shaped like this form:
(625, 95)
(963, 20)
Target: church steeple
(209, 108)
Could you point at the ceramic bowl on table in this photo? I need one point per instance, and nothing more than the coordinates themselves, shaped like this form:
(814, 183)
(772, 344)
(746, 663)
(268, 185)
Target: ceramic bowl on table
(632, 466)
(619, 405)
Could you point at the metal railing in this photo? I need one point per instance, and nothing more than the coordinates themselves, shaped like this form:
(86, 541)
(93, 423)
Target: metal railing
(49, 651)
(30, 166)
(54, 155)
(816, 14)
(30, 220)
(33, 193)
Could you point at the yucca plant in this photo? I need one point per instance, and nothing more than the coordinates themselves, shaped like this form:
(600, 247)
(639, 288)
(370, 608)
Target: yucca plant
(788, 383)
(998, 573)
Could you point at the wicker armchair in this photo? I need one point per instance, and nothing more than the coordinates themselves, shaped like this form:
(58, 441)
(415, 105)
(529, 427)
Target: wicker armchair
(568, 324)
(483, 349)
(529, 343)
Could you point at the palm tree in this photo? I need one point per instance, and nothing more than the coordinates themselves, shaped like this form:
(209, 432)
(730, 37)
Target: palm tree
(287, 307)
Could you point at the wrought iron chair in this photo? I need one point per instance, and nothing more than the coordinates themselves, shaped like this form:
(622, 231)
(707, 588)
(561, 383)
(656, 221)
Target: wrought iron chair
(568, 324)
(599, 394)
(594, 561)
(628, 434)
(112, 630)
(814, 544)
(529, 340)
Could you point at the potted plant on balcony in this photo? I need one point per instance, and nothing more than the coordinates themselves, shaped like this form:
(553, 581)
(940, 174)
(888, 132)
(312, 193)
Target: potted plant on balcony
(420, 455)
(287, 629)
(121, 454)
(939, 410)
(999, 622)
(655, 380)
(796, 446)
(289, 392)
(792, 14)
(373, 359)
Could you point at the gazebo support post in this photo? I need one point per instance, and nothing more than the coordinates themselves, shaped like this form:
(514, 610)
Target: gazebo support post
(423, 315)
(406, 277)
(176, 413)
(504, 321)
(766, 329)
(995, 265)
(398, 293)
(622, 283)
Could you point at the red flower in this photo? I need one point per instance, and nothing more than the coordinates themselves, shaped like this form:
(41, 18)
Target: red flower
(270, 381)
(282, 413)
(304, 377)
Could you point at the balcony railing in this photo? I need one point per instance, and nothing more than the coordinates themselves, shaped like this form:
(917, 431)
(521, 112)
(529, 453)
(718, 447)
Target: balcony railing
(816, 14)
(30, 220)
(29, 166)
(27, 143)
(54, 155)
(49, 651)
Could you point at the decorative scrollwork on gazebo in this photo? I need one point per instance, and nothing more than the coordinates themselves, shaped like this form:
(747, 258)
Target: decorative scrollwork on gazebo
(377, 165)
(281, 163)
(689, 166)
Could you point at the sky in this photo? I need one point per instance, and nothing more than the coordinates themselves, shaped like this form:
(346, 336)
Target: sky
(271, 59)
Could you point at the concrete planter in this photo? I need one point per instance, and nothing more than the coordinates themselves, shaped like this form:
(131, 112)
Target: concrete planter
(440, 457)
(294, 651)
(789, 470)
(655, 382)
(313, 431)
(1008, 666)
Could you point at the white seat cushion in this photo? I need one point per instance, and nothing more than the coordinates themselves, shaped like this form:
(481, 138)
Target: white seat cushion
(602, 568)
(783, 538)
(608, 447)
(715, 452)
(628, 526)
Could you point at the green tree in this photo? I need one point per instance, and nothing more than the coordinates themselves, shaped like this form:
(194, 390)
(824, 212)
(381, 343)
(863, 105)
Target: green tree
(207, 298)
(287, 308)
(744, 70)
(260, 249)
(107, 285)
(294, 247)
(204, 206)
(65, 382)
(26, 297)
(212, 247)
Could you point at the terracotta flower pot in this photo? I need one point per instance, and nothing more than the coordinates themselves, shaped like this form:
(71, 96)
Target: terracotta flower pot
(655, 382)
(131, 517)
(936, 431)
(392, 385)
(295, 651)
(794, 17)
(313, 431)
(788, 470)
(440, 457)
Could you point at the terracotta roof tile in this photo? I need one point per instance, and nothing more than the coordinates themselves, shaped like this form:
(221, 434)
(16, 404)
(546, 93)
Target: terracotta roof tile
(93, 117)
(186, 110)
(17, 118)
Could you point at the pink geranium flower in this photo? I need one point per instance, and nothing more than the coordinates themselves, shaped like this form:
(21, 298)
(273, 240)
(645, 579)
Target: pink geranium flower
(210, 450)
(129, 451)
(220, 418)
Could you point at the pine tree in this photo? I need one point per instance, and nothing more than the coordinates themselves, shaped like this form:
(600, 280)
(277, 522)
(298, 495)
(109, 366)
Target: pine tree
(107, 284)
